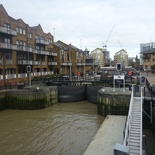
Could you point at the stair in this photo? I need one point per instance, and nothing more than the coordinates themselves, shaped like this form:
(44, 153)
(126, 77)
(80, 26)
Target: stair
(135, 128)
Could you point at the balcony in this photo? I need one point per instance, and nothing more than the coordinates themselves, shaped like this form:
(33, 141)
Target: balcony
(42, 41)
(80, 64)
(1, 77)
(10, 76)
(25, 62)
(8, 31)
(52, 63)
(24, 48)
(43, 63)
(36, 52)
(44, 52)
(1, 62)
(8, 46)
(8, 62)
(66, 64)
(36, 63)
(53, 54)
(22, 75)
(37, 73)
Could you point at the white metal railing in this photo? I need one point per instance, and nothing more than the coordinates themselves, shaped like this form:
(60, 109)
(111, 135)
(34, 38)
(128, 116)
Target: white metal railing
(8, 46)
(24, 48)
(42, 41)
(52, 63)
(22, 75)
(8, 30)
(53, 54)
(141, 143)
(66, 64)
(10, 76)
(37, 73)
(8, 62)
(43, 63)
(36, 63)
(129, 119)
(1, 77)
(44, 52)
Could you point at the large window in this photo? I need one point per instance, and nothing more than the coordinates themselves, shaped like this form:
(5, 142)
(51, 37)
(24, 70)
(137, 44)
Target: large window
(8, 56)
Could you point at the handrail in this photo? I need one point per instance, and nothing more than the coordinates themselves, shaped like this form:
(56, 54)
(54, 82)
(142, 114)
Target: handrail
(141, 121)
(129, 119)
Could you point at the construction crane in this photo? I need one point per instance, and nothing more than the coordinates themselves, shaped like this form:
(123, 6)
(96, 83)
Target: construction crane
(105, 44)
(120, 44)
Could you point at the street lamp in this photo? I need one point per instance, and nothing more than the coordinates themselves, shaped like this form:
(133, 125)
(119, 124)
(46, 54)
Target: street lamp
(70, 70)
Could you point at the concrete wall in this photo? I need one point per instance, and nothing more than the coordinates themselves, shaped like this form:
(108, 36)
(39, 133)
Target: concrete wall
(113, 103)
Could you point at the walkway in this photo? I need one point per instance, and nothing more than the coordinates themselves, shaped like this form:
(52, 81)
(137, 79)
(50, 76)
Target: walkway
(110, 133)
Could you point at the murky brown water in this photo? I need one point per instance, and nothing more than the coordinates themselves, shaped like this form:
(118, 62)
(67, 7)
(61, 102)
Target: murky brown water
(62, 129)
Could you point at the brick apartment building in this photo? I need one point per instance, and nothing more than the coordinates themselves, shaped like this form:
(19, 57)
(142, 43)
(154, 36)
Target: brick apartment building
(22, 46)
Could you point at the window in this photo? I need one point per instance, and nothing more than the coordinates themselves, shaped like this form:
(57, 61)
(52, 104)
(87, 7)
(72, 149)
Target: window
(20, 31)
(24, 32)
(153, 60)
(37, 47)
(7, 40)
(8, 56)
(21, 43)
(30, 35)
(24, 43)
(17, 43)
(17, 29)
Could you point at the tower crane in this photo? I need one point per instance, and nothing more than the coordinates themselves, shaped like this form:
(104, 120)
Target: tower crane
(105, 44)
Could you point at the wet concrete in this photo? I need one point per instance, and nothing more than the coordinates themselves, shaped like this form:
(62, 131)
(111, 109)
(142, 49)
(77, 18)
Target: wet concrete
(61, 129)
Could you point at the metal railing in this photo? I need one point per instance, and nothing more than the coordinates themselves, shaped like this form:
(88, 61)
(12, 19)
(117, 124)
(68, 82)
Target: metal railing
(129, 119)
(141, 127)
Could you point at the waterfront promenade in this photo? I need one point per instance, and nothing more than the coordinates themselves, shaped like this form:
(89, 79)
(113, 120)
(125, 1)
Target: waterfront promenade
(150, 77)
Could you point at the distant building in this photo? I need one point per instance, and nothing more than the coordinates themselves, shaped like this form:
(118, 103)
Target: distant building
(144, 47)
(134, 62)
(98, 56)
(91, 67)
(121, 57)
(148, 58)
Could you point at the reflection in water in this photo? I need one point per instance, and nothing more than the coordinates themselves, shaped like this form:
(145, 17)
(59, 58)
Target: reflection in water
(62, 129)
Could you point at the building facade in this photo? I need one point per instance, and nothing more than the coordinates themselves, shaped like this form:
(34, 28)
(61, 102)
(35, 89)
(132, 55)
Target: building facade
(148, 59)
(23, 47)
(98, 56)
(145, 47)
(121, 57)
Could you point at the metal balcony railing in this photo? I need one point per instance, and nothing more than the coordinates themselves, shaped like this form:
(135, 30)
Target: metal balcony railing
(52, 63)
(24, 48)
(8, 31)
(8, 46)
(25, 62)
(10, 76)
(41, 41)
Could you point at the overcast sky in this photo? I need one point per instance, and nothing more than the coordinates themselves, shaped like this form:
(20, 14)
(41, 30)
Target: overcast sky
(91, 23)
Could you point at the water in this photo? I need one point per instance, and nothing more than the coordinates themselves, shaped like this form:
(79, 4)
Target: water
(61, 129)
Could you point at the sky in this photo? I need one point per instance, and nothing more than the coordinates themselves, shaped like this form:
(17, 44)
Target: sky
(91, 24)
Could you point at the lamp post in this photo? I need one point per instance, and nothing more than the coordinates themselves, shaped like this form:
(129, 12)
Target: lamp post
(70, 70)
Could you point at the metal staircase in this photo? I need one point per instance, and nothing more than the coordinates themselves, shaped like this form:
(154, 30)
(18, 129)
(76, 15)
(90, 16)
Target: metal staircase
(133, 130)
(135, 134)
